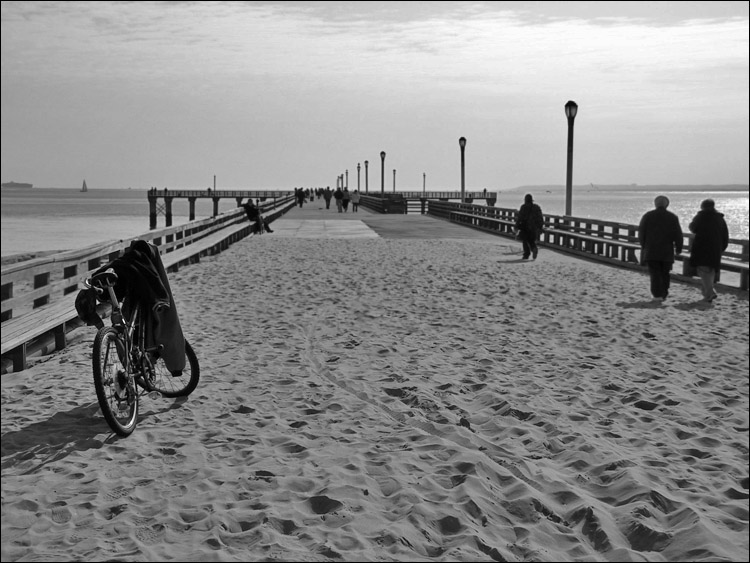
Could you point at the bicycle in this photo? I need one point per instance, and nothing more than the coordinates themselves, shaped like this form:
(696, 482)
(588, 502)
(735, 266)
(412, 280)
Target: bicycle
(124, 368)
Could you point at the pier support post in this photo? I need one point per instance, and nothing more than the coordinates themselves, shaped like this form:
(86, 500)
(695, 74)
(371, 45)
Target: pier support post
(191, 200)
(216, 205)
(168, 209)
(151, 212)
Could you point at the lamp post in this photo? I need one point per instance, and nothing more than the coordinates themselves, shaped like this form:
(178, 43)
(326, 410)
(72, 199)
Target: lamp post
(571, 109)
(424, 183)
(366, 186)
(394, 180)
(347, 179)
(382, 174)
(462, 144)
(358, 176)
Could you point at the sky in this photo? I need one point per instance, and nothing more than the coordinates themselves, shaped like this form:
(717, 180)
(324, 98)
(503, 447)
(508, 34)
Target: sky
(278, 95)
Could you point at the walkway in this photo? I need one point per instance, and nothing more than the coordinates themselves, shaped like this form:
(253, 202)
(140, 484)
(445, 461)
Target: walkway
(313, 220)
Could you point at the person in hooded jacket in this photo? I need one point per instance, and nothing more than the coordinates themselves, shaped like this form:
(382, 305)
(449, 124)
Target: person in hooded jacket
(711, 240)
(529, 224)
(660, 237)
(338, 195)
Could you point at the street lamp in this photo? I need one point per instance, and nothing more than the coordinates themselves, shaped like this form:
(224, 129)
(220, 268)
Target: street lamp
(424, 183)
(347, 179)
(571, 109)
(366, 186)
(462, 144)
(382, 174)
(358, 176)
(394, 180)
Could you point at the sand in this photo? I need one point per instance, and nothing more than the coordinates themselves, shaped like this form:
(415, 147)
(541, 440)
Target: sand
(399, 400)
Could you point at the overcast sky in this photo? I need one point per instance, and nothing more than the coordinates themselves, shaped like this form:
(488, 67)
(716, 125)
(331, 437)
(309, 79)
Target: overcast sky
(286, 94)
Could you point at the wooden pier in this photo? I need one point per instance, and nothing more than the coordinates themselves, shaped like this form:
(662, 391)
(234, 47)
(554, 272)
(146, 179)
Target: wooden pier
(160, 201)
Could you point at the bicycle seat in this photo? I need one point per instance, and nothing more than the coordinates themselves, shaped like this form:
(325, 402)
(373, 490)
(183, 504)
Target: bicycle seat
(105, 279)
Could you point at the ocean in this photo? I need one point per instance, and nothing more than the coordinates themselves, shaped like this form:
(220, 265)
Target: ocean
(49, 219)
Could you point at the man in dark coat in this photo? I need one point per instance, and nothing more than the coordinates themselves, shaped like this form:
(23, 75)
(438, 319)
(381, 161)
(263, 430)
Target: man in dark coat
(327, 195)
(338, 195)
(529, 224)
(711, 240)
(660, 236)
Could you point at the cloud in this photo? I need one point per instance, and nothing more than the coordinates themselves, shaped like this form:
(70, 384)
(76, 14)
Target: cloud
(409, 74)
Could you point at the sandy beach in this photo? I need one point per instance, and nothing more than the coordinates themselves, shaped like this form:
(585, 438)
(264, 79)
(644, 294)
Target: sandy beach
(374, 398)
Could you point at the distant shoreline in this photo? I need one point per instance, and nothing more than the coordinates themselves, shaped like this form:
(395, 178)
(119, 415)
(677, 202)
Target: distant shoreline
(551, 187)
(644, 188)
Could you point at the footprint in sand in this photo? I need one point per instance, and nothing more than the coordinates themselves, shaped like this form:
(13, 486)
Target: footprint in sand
(61, 514)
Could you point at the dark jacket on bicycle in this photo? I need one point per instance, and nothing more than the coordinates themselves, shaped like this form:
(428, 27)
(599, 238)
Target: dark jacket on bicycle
(142, 277)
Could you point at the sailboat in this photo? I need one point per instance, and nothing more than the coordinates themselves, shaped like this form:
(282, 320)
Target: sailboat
(84, 188)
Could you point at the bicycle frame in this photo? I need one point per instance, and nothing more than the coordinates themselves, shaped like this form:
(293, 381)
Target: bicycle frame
(126, 328)
(122, 363)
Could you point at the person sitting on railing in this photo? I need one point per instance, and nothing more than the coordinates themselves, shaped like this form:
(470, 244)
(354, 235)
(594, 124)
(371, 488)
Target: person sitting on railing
(529, 224)
(253, 214)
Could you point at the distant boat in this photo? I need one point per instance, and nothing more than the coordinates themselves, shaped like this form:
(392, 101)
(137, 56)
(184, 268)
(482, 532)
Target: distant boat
(16, 185)
(84, 188)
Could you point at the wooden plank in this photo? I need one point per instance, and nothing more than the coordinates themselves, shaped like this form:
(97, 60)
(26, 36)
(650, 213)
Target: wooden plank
(45, 319)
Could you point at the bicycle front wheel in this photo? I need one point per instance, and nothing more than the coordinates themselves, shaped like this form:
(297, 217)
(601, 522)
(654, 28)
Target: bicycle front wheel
(176, 385)
(118, 396)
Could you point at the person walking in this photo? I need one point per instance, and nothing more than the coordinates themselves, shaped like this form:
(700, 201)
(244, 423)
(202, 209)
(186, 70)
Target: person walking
(660, 237)
(327, 195)
(345, 199)
(711, 240)
(355, 201)
(529, 224)
(338, 195)
(300, 196)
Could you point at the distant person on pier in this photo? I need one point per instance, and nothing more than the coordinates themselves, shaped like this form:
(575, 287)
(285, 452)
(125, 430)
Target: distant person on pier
(711, 240)
(660, 237)
(346, 197)
(300, 193)
(529, 224)
(338, 195)
(253, 214)
(355, 201)
(327, 195)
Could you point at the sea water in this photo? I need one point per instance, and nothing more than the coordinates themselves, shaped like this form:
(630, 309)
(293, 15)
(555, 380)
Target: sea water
(48, 219)
(628, 206)
(44, 219)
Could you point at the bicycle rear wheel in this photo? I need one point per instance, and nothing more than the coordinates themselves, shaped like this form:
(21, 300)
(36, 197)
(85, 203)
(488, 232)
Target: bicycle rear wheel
(169, 385)
(118, 396)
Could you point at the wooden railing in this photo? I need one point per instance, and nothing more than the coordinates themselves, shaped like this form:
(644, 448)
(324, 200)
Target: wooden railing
(605, 241)
(35, 283)
(416, 202)
(38, 300)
